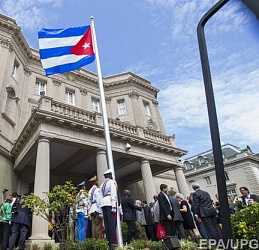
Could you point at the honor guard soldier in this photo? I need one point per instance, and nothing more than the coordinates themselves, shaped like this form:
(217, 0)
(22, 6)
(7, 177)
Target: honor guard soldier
(95, 210)
(109, 206)
(81, 205)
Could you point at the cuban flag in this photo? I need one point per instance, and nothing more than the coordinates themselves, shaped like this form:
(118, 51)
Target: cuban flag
(64, 50)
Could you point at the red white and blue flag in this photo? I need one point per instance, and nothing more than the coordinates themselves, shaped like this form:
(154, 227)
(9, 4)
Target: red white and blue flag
(64, 50)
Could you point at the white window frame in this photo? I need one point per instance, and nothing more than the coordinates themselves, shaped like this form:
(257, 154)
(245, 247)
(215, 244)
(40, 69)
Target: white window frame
(231, 192)
(70, 97)
(147, 108)
(40, 86)
(122, 107)
(95, 105)
(208, 180)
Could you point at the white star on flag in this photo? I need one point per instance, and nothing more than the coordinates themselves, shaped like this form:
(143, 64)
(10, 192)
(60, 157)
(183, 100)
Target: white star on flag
(86, 45)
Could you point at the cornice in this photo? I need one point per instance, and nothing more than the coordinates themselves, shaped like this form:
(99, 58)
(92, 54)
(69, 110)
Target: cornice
(40, 116)
(227, 164)
(10, 26)
(131, 80)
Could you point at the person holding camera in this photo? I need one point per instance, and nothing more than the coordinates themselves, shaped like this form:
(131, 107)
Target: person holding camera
(246, 199)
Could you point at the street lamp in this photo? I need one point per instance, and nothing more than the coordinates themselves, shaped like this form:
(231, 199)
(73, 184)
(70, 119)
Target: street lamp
(253, 5)
(214, 130)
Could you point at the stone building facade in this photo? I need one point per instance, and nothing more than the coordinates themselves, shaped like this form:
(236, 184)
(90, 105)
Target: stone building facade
(241, 169)
(51, 128)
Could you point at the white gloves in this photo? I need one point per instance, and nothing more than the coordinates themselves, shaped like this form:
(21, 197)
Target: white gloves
(114, 210)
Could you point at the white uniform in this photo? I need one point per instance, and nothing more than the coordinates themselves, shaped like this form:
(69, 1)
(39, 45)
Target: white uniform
(109, 193)
(94, 198)
(81, 202)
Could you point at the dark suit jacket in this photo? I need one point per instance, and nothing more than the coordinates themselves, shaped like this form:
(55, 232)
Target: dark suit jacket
(176, 208)
(148, 215)
(252, 196)
(202, 204)
(128, 208)
(21, 215)
(164, 206)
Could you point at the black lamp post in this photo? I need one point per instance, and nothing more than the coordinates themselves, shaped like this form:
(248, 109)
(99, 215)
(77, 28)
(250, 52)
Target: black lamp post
(214, 130)
(253, 5)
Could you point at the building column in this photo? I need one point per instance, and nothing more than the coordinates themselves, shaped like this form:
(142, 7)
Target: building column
(181, 181)
(149, 185)
(101, 164)
(41, 184)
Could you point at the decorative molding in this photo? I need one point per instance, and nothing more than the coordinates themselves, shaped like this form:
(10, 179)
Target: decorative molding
(71, 76)
(6, 43)
(108, 99)
(83, 91)
(33, 101)
(155, 102)
(56, 82)
(8, 119)
(11, 93)
(151, 124)
(134, 94)
(11, 49)
(26, 70)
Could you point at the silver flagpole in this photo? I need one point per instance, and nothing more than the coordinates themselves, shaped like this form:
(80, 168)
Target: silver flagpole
(106, 125)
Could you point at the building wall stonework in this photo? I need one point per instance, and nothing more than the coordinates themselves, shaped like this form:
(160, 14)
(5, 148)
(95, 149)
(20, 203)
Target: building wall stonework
(241, 169)
(8, 179)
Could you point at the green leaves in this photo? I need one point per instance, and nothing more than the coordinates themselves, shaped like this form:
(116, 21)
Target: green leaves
(54, 206)
(245, 223)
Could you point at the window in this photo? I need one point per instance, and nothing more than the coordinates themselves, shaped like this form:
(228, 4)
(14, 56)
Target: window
(95, 105)
(147, 109)
(207, 180)
(70, 97)
(226, 176)
(232, 193)
(14, 70)
(122, 107)
(40, 87)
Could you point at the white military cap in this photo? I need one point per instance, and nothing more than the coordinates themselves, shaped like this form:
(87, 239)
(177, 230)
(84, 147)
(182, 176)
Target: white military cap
(107, 172)
(93, 178)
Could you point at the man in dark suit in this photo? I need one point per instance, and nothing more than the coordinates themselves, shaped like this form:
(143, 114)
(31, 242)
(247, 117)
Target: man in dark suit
(128, 209)
(21, 222)
(150, 227)
(203, 209)
(166, 210)
(246, 197)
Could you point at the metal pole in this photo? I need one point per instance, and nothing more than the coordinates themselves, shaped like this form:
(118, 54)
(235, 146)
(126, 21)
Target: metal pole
(106, 127)
(214, 130)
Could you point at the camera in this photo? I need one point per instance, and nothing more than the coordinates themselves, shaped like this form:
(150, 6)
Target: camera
(127, 146)
(5, 190)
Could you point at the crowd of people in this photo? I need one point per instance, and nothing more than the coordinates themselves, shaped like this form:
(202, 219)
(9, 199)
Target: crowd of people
(96, 211)
(180, 216)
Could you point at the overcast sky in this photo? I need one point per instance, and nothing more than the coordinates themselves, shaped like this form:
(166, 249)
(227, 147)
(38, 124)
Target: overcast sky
(157, 40)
